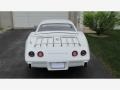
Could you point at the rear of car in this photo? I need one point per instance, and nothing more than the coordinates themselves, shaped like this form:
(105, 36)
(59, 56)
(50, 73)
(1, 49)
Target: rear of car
(56, 47)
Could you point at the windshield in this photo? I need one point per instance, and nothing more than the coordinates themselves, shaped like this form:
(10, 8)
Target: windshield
(56, 27)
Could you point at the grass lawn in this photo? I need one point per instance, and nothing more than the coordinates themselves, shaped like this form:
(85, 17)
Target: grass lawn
(108, 49)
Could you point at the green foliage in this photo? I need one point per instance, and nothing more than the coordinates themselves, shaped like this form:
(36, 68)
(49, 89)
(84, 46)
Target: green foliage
(108, 50)
(89, 19)
(101, 21)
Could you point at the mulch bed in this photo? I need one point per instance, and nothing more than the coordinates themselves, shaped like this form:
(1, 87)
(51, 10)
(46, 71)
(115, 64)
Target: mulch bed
(98, 36)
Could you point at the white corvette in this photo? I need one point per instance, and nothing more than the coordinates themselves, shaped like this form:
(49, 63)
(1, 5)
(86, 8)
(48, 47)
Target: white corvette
(56, 45)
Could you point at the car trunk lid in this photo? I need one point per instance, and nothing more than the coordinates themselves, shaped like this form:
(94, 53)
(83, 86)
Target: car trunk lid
(57, 41)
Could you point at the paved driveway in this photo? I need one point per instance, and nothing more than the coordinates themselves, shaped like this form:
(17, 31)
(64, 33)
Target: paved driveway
(12, 64)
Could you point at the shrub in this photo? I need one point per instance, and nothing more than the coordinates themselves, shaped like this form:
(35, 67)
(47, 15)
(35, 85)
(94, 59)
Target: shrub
(89, 19)
(100, 21)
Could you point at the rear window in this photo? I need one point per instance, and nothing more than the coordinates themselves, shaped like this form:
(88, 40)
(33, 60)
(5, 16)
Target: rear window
(56, 27)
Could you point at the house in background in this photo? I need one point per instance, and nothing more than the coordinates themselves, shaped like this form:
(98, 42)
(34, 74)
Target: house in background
(28, 19)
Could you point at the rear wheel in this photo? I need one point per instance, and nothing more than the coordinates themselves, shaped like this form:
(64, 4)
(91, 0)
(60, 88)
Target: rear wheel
(29, 65)
(85, 64)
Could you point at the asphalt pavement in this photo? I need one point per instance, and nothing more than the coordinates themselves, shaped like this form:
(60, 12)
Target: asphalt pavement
(13, 65)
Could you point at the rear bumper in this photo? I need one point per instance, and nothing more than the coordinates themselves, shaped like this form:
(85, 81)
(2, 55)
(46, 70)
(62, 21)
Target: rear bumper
(45, 64)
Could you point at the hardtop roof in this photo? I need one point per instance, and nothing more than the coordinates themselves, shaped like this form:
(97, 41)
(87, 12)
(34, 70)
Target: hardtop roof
(56, 21)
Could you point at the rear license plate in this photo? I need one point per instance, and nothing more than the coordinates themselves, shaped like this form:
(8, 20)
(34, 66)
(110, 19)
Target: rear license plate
(58, 65)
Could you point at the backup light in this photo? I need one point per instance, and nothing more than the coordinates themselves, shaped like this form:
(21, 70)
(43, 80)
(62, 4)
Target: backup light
(40, 54)
(74, 53)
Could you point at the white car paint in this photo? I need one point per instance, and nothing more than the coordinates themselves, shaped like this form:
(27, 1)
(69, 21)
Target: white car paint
(57, 47)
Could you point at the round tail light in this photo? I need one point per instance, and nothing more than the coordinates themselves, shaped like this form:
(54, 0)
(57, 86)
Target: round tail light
(83, 52)
(74, 53)
(31, 54)
(40, 54)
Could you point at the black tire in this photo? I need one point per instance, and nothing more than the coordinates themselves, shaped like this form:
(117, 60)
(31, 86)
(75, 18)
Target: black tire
(85, 64)
(29, 65)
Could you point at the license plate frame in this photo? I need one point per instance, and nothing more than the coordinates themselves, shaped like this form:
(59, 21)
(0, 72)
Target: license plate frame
(57, 65)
